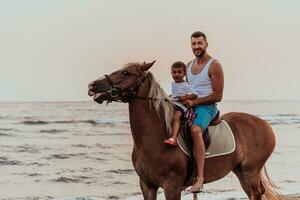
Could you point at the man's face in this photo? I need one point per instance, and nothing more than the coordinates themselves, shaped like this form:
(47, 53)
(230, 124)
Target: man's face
(178, 74)
(199, 46)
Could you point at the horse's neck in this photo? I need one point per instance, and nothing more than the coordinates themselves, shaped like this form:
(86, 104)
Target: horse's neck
(148, 130)
(147, 127)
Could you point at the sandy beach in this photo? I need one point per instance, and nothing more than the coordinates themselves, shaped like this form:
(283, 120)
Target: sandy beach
(83, 152)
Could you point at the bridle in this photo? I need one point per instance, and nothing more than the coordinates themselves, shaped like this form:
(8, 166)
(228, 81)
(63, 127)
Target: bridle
(127, 94)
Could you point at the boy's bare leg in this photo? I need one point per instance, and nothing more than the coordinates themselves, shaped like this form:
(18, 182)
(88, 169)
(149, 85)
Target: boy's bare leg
(176, 123)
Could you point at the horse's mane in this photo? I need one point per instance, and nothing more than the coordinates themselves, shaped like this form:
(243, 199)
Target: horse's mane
(163, 107)
(161, 103)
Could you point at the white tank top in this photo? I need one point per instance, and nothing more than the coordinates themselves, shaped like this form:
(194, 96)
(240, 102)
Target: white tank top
(201, 81)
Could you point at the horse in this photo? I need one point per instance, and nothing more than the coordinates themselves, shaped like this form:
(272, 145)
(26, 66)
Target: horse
(158, 165)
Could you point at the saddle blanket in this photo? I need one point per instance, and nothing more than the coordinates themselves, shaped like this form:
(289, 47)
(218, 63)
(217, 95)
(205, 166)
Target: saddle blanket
(222, 141)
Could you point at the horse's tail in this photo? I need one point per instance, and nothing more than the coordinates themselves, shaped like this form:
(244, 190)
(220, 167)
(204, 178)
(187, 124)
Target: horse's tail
(271, 190)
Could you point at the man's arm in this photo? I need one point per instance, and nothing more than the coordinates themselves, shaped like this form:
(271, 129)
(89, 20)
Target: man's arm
(216, 75)
(187, 97)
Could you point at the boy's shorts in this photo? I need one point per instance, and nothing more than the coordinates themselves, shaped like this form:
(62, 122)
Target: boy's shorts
(178, 108)
(205, 114)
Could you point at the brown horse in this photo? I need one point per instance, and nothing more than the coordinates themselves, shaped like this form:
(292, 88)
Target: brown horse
(159, 165)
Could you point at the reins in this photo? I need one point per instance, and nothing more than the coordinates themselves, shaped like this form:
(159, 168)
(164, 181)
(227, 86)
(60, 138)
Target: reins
(129, 93)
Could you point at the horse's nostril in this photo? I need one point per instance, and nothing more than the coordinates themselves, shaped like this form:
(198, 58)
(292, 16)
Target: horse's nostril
(90, 93)
(91, 85)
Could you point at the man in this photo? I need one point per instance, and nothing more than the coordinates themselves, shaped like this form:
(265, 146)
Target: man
(205, 75)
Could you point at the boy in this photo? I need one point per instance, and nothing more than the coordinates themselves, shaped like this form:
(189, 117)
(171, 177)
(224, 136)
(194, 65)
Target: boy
(181, 91)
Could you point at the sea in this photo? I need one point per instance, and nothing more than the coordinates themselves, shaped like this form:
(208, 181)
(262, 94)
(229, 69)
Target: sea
(82, 151)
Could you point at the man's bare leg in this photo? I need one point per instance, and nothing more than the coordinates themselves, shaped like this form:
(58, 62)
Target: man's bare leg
(199, 155)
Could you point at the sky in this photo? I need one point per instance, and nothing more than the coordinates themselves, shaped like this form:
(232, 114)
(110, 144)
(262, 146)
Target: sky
(50, 50)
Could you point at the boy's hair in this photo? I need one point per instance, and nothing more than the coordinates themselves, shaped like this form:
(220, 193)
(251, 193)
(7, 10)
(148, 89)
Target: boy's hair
(178, 65)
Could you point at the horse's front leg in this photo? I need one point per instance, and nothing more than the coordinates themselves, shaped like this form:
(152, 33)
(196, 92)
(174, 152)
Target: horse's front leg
(172, 190)
(172, 194)
(149, 192)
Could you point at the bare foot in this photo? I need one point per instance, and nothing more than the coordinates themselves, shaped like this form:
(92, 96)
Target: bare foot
(197, 185)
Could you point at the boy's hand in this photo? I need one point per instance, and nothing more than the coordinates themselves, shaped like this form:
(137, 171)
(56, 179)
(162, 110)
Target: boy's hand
(189, 103)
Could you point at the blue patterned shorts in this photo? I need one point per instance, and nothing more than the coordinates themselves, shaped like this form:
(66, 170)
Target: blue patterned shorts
(205, 113)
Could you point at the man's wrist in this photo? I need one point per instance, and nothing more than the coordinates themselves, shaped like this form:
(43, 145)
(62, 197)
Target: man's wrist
(195, 102)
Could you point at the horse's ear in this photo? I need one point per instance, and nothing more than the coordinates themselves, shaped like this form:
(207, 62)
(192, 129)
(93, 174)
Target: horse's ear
(146, 66)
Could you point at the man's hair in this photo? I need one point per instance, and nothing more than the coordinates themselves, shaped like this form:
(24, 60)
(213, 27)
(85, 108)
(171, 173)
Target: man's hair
(198, 34)
(178, 65)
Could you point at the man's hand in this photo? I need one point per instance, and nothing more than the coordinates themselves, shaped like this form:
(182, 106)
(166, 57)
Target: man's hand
(189, 103)
(187, 97)
(182, 99)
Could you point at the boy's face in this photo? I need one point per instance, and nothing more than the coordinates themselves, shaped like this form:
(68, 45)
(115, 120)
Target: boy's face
(178, 74)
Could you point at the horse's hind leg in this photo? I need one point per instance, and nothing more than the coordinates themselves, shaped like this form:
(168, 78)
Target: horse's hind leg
(251, 183)
(238, 172)
(149, 192)
(255, 184)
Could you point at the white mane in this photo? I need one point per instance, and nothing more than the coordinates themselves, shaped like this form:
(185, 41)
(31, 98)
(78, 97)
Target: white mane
(161, 103)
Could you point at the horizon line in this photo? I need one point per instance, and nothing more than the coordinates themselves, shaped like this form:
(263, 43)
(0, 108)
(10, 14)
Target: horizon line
(77, 101)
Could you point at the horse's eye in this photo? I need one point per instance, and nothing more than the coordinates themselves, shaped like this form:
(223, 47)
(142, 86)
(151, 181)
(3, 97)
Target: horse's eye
(125, 72)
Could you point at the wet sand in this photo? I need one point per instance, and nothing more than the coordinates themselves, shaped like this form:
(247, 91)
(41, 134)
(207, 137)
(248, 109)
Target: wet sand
(83, 152)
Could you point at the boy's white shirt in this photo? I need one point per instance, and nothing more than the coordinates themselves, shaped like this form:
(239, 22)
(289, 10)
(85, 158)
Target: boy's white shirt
(181, 89)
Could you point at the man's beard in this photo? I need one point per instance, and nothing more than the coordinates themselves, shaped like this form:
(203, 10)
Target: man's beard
(201, 54)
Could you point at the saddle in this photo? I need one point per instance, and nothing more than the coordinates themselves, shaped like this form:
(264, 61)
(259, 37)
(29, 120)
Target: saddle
(185, 131)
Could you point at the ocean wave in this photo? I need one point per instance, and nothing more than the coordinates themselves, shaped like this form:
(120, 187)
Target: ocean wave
(281, 119)
(80, 146)
(102, 146)
(274, 119)
(97, 159)
(38, 122)
(5, 135)
(65, 156)
(113, 197)
(27, 149)
(118, 183)
(3, 117)
(6, 161)
(109, 122)
(287, 115)
(38, 164)
(74, 179)
(53, 131)
(29, 174)
(288, 181)
(91, 121)
(63, 179)
(121, 171)
(52, 198)
(6, 129)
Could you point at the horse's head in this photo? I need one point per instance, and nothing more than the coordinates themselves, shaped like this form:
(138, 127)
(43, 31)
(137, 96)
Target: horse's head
(120, 85)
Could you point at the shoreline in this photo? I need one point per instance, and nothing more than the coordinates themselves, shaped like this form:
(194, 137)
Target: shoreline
(292, 196)
(138, 197)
